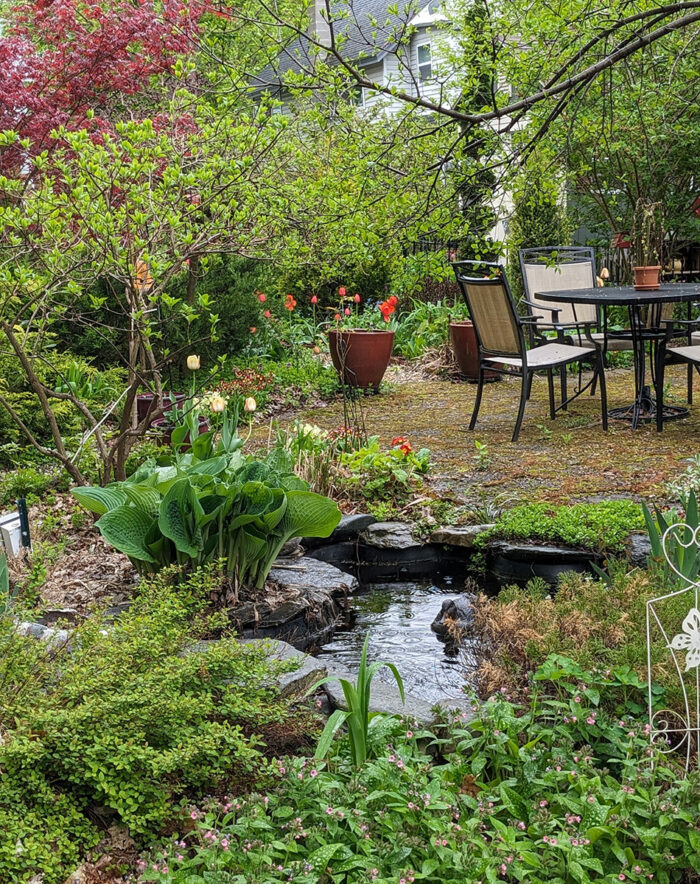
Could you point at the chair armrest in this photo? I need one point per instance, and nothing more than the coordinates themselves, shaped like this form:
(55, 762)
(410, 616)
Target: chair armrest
(555, 311)
(680, 325)
(529, 319)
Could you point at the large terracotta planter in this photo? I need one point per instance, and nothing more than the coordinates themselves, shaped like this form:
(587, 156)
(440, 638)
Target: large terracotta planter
(646, 279)
(360, 355)
(143, 403)
(466, 350)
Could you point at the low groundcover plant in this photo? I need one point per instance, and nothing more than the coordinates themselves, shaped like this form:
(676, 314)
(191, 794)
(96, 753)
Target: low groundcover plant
(564, 790)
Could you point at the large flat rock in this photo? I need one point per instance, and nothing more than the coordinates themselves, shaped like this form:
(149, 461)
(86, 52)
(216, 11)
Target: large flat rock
(462, 535)
(389, 535)
(348, 530)
(309, 671)
(385, 697)
(309, 572)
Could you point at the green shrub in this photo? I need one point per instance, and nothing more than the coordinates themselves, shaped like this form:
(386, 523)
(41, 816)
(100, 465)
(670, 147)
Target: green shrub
(558, 791)
(128, 718)
(601, 527)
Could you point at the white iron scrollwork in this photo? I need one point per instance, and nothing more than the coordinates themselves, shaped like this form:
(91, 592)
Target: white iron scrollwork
(669, 730)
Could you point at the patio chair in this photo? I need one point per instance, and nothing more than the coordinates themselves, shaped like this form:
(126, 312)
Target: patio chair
(666, 355)
(548, 268)
(500, 334)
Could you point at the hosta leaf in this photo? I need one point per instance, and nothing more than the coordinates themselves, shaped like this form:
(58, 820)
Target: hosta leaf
(143, 497)
(309, 515)
(179, 519)
(99, 500)
(126, 529)
(211, 467)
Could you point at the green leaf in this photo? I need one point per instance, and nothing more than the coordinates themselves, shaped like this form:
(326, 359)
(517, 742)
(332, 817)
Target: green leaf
(99, 500)
(126, 528)
(180, 512)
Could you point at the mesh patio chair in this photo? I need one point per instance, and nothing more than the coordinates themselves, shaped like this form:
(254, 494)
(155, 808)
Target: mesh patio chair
(500, 334)
(548, 268)
(688, 353)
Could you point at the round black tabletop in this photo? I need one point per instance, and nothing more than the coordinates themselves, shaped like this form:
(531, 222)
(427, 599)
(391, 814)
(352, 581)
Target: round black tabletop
(625, 296)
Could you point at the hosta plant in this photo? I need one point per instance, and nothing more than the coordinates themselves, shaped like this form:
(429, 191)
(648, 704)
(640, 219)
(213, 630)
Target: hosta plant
(210, 503)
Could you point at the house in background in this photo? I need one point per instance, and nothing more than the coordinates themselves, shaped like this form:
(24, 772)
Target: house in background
(370, 33)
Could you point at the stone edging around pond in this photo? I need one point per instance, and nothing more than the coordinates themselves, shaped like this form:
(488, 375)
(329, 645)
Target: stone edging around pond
(387, 550)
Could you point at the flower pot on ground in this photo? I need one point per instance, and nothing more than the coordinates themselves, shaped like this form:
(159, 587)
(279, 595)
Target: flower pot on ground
(361, 355)
(144, 400)
(466, 349)
(646, 279)
(165, 427)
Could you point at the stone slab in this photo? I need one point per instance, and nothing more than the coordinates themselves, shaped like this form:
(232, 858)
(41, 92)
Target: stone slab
(348, 530)
(385, 697)
(307, 571)
(462, 535)
(390, 535)
(309, 671)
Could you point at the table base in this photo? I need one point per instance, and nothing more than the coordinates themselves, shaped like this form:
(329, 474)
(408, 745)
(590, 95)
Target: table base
(644, 410)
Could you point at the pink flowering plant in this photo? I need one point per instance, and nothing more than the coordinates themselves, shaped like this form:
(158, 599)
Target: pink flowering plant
(523, 794)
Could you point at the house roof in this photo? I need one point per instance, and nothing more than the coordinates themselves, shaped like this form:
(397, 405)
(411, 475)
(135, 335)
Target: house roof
(368, 30)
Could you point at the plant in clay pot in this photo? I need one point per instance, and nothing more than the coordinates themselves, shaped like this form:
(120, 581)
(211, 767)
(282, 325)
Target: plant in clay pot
(647, 244)
(362, 340)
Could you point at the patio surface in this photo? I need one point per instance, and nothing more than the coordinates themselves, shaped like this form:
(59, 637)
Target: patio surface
(569, 459)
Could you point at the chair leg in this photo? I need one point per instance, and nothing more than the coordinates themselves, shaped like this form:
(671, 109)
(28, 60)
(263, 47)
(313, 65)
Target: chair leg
(529, 387)
(526, 382)
(690, 384)
(562, 381)
(477, 402)
(600, 374)
(550, 384)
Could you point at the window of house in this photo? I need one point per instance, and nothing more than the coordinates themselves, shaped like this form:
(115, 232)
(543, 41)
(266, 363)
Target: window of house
(357, 95)
(425, 68)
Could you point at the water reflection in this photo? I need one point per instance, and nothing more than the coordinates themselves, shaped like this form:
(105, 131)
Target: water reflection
(398, 616)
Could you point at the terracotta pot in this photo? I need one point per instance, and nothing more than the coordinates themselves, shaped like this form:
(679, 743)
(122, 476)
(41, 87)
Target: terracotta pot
(143, 403)
(361, 355)
(466, 350)
(165, 428)
(646, 279)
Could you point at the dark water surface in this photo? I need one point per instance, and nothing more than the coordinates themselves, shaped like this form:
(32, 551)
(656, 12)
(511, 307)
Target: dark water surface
(398, 617)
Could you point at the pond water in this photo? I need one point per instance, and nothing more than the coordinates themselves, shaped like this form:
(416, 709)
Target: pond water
(398, 617)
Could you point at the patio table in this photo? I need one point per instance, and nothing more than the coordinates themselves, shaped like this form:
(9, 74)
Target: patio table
(643, 407)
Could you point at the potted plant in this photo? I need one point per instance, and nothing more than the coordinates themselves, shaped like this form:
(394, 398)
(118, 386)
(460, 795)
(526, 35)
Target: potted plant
(362, 340)
(647, 244)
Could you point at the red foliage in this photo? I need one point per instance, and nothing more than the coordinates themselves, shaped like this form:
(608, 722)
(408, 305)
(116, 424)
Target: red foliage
(61, 59)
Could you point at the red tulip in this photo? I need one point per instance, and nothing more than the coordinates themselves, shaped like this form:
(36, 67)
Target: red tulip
(314, 299)
(267, 314)
(357, 298)
(262, 298)
(341, 291)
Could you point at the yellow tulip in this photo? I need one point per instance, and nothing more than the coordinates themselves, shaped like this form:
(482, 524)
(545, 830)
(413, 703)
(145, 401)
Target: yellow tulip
(250, 405)
(218, 404)
(193, 362)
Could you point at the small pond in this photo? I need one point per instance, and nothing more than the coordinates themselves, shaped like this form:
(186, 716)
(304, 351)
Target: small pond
(398, 616)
